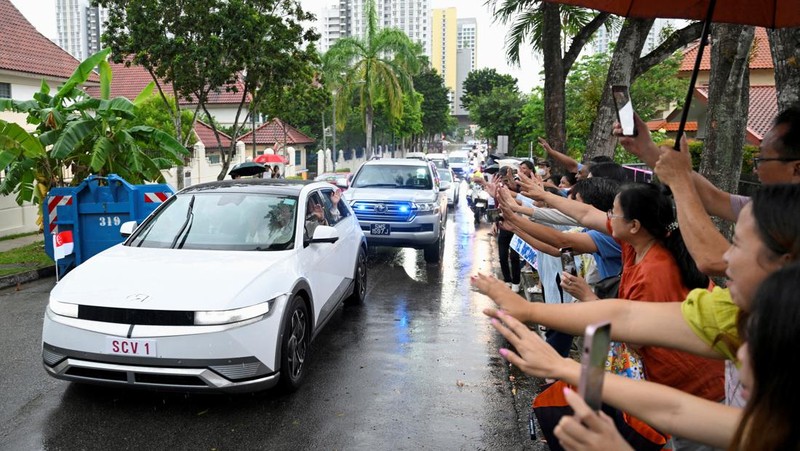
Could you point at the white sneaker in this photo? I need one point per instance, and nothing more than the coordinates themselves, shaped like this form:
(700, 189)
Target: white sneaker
(534, 289)
(515, 287)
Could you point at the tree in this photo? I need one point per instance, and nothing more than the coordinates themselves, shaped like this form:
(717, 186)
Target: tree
(379, 65)
(435, 104)
(87, 134)
(625, 68)
(540, 23)
(499, 113)
(728, 101)
(252, 48)
(784, 44)
(481, 82)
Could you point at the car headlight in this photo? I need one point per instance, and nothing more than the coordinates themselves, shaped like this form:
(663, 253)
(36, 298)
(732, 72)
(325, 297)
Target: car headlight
(63, 308)
(216, 317)
(426, 207)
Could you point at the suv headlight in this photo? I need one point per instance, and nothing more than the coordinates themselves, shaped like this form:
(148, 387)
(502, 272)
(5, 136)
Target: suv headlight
(216, 317)
(426, 207)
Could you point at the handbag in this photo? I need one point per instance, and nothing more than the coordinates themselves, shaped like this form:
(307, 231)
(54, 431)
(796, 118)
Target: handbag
(608, 288)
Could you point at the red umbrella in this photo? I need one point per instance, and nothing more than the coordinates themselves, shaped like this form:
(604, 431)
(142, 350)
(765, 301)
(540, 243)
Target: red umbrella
(765, 13)
(269, 158)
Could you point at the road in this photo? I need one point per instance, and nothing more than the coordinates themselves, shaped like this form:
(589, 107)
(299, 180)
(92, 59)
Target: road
(415, 367)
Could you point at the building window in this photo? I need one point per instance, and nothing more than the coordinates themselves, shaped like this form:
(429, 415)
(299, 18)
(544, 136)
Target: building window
(5, 90)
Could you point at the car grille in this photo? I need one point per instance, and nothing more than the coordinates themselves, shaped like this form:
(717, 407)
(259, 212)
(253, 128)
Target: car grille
(136, 316)
(407, 229)
(384, 211)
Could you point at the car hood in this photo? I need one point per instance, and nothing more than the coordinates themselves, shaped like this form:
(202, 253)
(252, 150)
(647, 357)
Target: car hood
(390, 194)
(169, 279)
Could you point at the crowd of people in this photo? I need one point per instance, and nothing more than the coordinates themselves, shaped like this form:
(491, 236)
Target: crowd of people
(708, 366)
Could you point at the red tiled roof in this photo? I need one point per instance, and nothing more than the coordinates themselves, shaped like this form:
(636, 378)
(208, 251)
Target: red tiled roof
(761, 112)
(23, 49)
(761, 57)
(129, 81)
(275, 132)
(760, 116)
(653, 126)
(206, 135)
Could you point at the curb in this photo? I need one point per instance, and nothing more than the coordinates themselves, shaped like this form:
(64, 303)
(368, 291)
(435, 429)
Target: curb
(27, 276)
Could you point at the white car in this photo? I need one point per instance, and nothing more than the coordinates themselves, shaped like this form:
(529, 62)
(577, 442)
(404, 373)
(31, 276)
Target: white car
(222, 288)
(453, 191)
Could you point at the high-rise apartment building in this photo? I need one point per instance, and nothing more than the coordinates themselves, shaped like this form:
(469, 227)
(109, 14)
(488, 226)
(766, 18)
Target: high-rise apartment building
(331, 27)
(444, 46)
(467, 37)
(79, 26)
(603, 38)
(411, 16)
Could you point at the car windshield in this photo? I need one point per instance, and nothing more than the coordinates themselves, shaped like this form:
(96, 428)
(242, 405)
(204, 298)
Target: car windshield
(221, 221)
(441, 164)
(393, 176)
(458, 160)
(445, 176)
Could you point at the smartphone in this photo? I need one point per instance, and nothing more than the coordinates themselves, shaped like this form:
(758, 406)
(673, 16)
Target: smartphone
(596, 341)
(568, 261)
(493, 215)
(624, 106)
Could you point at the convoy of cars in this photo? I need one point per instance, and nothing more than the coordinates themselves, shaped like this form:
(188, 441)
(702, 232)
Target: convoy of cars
(222, 288)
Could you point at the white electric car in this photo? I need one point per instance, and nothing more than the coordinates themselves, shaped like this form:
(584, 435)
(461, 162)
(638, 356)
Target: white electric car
(222, 288)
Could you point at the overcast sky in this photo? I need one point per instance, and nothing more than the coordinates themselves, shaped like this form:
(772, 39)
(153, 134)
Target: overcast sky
(491, 36)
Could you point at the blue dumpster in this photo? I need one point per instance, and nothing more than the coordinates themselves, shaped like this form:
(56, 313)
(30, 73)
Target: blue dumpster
(94, 211)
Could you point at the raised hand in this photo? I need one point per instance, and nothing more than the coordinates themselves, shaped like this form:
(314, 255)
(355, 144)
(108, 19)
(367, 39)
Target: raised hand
(674, 166)
(641, 145)
(501, 294)
(533, 355)
(577, 287)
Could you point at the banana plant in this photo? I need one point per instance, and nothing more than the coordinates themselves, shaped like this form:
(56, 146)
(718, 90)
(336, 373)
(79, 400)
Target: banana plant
(86, 134)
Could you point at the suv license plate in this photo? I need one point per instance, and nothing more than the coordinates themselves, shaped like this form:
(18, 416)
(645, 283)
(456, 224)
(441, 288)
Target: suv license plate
(126, 346)
(380, 229)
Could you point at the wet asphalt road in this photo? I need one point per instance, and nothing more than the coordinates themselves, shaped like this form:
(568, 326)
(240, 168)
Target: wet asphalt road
(415, 367)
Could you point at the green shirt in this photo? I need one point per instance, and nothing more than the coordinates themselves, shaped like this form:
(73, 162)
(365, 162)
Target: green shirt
(712, 315)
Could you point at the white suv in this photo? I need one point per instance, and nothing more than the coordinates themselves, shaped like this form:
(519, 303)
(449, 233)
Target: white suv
(402, 203)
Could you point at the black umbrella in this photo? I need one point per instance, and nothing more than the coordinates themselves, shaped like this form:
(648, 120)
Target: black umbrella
(247, 168)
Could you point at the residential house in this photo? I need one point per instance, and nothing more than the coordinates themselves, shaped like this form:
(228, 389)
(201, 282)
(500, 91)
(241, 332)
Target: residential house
(276, 136)
(763, 99)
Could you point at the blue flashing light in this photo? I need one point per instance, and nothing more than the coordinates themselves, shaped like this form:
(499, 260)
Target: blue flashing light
(404, 209)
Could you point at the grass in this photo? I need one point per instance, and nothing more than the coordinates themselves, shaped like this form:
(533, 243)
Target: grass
(17, 235)
(24, 259)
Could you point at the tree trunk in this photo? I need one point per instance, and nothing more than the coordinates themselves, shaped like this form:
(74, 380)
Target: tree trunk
(368, 126)
(785, 46)
(632, 38)
(728, 102)
(555, 77)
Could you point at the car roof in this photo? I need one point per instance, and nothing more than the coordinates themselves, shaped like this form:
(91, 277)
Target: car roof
(437, 156)
(397, 162)
(263, 186)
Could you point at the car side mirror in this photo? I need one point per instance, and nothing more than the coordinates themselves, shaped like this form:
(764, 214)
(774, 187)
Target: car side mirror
(342, 183)
(127, 228)
(324, 234)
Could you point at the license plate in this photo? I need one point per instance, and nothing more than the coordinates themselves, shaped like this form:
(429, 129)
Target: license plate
(127, 346)
(380, 229)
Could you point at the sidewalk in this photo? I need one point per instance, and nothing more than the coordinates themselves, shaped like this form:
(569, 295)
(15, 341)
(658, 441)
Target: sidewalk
(24, 275)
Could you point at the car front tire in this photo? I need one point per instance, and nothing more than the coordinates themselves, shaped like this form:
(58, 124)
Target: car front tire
(295, 346)
(433, 252)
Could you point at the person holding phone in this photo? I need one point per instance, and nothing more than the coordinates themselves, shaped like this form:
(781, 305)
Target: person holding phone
(768, 421)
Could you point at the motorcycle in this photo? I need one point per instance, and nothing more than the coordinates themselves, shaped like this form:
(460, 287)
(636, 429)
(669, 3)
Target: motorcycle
(479, 201)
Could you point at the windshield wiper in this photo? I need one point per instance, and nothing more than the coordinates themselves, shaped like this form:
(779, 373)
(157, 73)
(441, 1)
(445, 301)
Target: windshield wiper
(377, 185)
(187, 225)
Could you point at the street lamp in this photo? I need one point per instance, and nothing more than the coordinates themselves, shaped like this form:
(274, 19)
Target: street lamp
(334, 155)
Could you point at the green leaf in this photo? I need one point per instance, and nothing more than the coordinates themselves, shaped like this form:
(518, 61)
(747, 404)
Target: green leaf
(102, 149)
(17, 135)
(74, 133)
(82, 73)
(164, 141)
(121, 107)
(105, 79)
(44, 88)
(6, 158)
(145, 94)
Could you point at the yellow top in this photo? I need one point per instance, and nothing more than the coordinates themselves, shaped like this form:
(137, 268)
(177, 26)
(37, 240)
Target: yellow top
(712, 315)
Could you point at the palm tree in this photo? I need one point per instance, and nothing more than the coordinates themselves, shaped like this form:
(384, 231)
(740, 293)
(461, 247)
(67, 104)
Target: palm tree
(379, 65)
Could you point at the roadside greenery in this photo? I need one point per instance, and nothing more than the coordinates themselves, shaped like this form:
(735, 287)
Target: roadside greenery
(24, 258)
